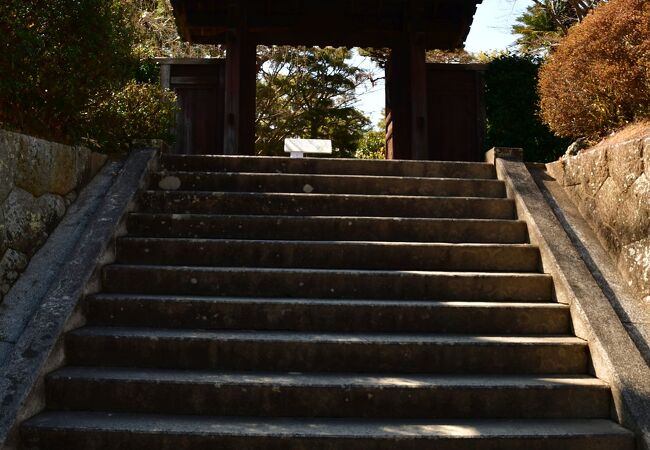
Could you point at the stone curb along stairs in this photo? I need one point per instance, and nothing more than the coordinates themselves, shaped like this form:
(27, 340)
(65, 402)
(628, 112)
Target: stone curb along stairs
(269, 303)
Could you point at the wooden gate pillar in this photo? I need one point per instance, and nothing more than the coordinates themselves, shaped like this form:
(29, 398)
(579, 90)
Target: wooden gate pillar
(418, 98)
(406, 100)
(241, 75)
(398, 114)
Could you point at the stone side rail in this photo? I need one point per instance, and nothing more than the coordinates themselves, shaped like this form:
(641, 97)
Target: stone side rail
(616, 359)
(38, 347)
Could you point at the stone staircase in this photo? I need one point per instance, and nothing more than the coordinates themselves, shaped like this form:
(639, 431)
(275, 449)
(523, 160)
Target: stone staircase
(270, 303)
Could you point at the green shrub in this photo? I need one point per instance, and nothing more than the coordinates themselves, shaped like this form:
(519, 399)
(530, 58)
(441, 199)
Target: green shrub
(60, 59)
(512, 109)
(55, 56)
(137, 111)
(372, 145)
(598, 79)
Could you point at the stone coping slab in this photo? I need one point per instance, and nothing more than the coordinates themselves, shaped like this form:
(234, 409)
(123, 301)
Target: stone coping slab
(37, 347)
(616, 358)
(26, 295)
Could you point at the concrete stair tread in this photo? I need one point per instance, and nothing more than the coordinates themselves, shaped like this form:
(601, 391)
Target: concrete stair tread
(378, 255)
(326, 283)
(320, 227)
(339, 166)
(337, 380)
(300, 351)
(298, 204)
(352, 395)
(326, 183)
(291, 427)
(317, 196)
(280, 217)
(332, 271)
(317, 176)
(389, 244)
(551, 304)
(328, 315)
(318, 338)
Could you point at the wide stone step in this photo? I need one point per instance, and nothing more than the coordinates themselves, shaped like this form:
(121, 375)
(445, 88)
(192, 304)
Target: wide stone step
(325, 205)
(327, 184)
(311, 283)
(385, 316)
(107, 431)
(336, 166)
(330, 254)
(345, 228)
(325, 352)
(326, 395)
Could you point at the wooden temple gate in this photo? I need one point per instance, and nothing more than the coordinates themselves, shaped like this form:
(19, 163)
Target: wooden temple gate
(407, 27)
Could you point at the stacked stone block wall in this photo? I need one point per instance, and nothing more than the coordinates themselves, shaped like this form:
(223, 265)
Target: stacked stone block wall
(610, 184)
(39, 180)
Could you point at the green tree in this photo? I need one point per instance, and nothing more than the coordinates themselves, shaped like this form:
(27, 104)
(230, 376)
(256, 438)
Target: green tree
(372, 145)
(512, 104)
(308, 93)
(60, 60)
(544, 23)
(55, 56)
(159, 35)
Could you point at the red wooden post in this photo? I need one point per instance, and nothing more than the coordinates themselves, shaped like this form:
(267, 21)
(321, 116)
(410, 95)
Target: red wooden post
(241, 74)
(406, 97)
(418, 98)
(397, 107)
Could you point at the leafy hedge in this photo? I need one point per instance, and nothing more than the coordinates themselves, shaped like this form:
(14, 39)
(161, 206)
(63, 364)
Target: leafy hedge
(512, 109)
(59, 59)
(372, 145)
(137, 111)
(598, 79)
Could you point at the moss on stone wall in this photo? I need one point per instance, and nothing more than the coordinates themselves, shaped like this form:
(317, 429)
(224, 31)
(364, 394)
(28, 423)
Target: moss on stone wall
(610, 184)
(38, 182)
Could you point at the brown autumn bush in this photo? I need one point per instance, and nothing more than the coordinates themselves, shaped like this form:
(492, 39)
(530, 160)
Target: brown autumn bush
(598, 78)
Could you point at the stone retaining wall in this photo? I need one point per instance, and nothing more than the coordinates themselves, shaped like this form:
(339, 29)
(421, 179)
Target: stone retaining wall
(38, 181)
(610, 184)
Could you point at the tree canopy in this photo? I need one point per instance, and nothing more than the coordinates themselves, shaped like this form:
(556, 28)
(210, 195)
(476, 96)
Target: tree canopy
(67, 65)
(308, 93)
(546, 22)
(159, 35)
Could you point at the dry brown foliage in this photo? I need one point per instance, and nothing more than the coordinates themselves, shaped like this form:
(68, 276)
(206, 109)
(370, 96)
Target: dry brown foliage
(598, 79)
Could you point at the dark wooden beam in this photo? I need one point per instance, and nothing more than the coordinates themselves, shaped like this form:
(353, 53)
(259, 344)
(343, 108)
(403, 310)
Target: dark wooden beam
(407, 98)
(397, 107)
(241, 72)
(441, 23)
(417, 60)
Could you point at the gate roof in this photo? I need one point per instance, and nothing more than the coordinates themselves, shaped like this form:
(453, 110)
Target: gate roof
(368, 23)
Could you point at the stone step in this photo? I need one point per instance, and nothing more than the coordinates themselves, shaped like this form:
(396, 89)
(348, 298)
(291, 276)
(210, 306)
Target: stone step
(325, 352)
(107, 431)
(330, 254)
(335, 166)
(327, 184)
(362, 316)
(338, 395)
(325, 205)
(311, 283)
(344, 228)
